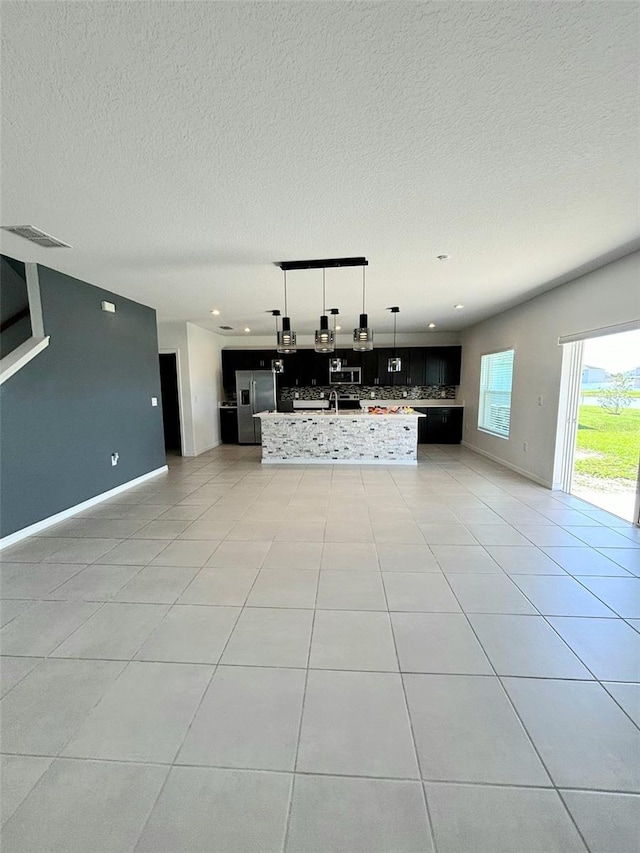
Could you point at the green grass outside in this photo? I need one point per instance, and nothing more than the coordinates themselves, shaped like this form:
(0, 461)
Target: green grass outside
(635, 394)
(614, 441)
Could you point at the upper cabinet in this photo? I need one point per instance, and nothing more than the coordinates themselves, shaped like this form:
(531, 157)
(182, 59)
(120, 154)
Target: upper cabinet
(420, 366)
(306, 368)
(442, 366)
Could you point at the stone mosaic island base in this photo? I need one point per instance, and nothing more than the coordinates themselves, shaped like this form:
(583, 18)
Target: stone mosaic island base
(348, 437)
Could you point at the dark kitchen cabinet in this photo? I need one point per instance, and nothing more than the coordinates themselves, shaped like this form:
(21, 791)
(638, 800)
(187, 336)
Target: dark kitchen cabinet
(369, 364)
(311, 368)
(422, 425)
(233, 360)
(442, 365)
(375, 367)
(417, 357)
(228, 425)
(442, 425)
(393, 379)
(420, 366)
(253, 359)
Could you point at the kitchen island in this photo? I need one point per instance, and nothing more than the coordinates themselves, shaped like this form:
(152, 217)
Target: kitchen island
(355, 437)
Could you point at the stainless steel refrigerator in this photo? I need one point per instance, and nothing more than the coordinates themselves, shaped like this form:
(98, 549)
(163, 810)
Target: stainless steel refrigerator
(255, 392)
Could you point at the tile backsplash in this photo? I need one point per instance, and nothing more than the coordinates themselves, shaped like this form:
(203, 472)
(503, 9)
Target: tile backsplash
(380, 392)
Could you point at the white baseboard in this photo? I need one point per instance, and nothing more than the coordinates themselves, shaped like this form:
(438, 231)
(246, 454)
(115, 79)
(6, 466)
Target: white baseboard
(36, 528)
(521, 471)
(202, 450)
(303, 460)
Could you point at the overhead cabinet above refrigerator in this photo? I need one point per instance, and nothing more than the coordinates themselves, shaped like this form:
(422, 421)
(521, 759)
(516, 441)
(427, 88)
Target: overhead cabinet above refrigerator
(255, 392)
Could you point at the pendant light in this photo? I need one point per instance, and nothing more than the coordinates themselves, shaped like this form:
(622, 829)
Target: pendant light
(277, 364)
(325, 340)
(363, 335)
(286, 338)
(335, 364)
(394, 364)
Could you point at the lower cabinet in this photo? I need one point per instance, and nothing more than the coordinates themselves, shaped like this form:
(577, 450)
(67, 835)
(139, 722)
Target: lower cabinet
(228, 425)
(441, 425)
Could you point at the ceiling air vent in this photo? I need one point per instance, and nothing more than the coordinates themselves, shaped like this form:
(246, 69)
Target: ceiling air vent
(226, 328)
(40, 238)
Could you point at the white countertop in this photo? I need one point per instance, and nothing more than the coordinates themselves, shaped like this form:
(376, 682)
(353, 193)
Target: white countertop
(325, 414)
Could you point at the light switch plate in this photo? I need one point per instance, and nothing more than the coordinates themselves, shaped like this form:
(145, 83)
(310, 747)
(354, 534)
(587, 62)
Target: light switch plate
(154, 401)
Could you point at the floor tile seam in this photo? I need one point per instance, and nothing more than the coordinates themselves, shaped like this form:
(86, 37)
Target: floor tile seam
(51, 652)
(578, 580)
(74, 575)
(414, 742)
(49, 595)
(287, 825)
(511, 703)
(19, 681)
(547, 771)
(215, 669)
(567, 644)
(98, 700)
(603, 684)
(148, 562)
(600, 549)
(326, 669)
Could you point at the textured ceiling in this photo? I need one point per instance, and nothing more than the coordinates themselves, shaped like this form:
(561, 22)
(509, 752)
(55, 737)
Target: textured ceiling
(181, 148)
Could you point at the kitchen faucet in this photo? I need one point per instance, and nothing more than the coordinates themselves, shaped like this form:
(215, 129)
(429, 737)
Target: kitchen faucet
(332, 392)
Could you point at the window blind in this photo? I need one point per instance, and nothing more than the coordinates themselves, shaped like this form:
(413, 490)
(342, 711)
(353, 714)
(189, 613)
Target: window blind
(496, 375)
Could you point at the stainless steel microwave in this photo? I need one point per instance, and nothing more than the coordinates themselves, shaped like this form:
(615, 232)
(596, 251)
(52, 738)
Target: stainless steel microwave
(346, 376)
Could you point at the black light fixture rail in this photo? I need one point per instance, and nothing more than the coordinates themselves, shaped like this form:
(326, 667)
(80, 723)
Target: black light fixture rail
(325, 263)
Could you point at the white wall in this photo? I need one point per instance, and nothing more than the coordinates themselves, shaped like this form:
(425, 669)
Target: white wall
(606, 297)
(205, 371)
(200, 380)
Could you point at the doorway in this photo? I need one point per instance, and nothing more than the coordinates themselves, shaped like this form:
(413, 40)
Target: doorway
(170, 403)
(603, 468)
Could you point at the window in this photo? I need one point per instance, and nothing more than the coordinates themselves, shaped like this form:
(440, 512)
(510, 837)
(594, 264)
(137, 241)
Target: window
(494, 410)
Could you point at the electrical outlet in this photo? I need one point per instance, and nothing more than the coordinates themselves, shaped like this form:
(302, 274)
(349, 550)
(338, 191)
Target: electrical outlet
(540, 400)
(114, 458)
(154, 401)
(296, 395)
(405, 394)
(525, 446)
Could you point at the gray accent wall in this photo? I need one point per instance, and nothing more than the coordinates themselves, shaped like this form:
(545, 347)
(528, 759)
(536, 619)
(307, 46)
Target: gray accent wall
(86, 396)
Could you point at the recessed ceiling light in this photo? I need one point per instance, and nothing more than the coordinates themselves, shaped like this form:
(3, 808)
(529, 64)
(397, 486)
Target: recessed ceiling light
(214, 311)
(338, 328)
(459, 306)
(432, 325)
(443, 257)
(247, 329)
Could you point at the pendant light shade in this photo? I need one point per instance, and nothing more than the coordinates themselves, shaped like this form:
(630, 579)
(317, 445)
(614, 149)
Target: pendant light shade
(325, 340)
(335, 364)
(286, 337)
(394, 364)
(363, 335)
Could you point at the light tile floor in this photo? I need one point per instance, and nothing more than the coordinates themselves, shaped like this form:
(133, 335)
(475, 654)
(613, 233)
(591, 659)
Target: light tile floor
(242, 659)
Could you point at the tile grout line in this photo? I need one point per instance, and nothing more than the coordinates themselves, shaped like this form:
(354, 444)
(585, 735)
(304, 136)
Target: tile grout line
(526, 730)
(287, 825)
(323, 774)
(186, 734)
(432, 834)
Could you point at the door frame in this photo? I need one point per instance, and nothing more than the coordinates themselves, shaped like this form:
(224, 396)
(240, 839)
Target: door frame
(569, 404)
(176, 352)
